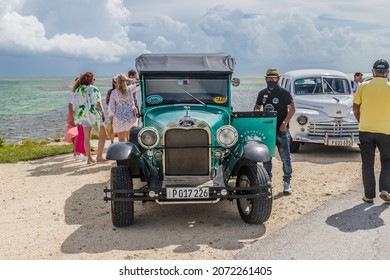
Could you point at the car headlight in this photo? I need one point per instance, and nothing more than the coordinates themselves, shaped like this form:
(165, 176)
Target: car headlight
(148, 137)
(235, 82)
(227, 136)
(302, 120)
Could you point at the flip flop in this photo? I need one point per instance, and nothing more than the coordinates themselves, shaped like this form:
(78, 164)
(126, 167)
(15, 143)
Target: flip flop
(91, 161)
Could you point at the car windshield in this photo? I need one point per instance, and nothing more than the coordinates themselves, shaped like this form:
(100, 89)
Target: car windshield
(186, 91)
(321, 85)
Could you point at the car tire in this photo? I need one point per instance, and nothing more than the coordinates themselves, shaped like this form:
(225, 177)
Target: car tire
(294, 146)
(254, 210)
(122, 212)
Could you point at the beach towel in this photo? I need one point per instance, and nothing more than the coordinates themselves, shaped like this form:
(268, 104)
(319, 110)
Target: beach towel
(80, 140)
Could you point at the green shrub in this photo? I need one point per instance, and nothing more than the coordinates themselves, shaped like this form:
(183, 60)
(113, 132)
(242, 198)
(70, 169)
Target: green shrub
(31, 149)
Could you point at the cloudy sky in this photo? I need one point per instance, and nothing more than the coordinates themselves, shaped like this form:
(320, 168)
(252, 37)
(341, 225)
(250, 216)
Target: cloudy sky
(67, 37)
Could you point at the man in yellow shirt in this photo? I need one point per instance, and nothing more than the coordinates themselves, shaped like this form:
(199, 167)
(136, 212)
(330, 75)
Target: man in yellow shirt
(371, 107)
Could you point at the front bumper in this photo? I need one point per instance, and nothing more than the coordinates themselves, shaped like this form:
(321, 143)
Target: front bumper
(327, 140)
(215, 194)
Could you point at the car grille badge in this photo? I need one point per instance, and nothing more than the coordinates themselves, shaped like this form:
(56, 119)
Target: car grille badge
(187, 122)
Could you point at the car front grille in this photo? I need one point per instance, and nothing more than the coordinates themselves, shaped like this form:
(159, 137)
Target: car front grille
(187, 152)
(333, 129)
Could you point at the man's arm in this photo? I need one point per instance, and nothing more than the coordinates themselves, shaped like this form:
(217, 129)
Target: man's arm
(257, 107)
(290, 113)
(70, 112)
(356, 111)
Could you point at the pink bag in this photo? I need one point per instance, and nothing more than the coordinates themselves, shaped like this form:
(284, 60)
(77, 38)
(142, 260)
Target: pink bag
(70, 134)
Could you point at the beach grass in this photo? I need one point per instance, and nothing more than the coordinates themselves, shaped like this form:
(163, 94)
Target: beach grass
(30, 150)
(95, 135)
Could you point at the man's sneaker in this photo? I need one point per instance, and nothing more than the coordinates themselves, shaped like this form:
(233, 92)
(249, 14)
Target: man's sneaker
(287, 188)
(368, 200)
(385, 196)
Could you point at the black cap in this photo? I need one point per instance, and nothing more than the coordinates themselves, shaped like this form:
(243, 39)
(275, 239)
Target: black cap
(381, 65)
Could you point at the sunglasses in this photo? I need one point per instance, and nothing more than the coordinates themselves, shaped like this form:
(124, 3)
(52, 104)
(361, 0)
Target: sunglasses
(268, 79)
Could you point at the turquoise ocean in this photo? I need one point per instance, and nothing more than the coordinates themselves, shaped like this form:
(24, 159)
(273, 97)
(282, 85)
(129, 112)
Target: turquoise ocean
(36, 107)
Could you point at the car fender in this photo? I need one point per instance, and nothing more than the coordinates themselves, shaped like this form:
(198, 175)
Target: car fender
(245, 154)
(256, 151)
(122, 151)
(312, 115)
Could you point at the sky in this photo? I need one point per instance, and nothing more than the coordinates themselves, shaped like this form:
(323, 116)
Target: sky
(66, 38)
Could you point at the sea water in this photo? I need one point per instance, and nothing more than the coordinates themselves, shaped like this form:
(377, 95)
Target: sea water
(36, 107)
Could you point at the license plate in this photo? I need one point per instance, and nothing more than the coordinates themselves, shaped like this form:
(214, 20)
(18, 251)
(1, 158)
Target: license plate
(185, 193)
(338, 142)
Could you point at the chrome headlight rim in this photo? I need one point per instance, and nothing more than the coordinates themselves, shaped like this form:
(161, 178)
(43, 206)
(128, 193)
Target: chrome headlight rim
(302, 119)
(148, 130)
(227, 130)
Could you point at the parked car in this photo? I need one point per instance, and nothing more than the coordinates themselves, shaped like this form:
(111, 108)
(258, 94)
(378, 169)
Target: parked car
(369, 78)
(193, 148)
(323, 101)
(366, 79)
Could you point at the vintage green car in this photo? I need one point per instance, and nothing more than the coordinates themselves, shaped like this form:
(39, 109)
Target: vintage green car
(192, 147)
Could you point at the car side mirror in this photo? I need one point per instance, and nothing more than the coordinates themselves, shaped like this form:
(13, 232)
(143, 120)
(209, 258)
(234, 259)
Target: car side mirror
(235, 82)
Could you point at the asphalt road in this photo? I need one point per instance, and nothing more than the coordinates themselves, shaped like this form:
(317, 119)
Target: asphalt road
(345, 228)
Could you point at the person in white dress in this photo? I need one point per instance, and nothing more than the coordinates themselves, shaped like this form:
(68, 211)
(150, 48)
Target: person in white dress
(122, 109)
(132, 76)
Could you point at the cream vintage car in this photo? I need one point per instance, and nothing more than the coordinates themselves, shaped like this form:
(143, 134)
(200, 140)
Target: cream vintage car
(323, 100)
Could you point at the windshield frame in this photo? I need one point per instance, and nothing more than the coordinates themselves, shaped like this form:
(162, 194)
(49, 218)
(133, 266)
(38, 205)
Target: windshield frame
(173, 90)
(321, 85)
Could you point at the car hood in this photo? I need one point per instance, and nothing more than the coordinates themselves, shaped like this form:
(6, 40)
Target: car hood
(179, 116)
(337, 106)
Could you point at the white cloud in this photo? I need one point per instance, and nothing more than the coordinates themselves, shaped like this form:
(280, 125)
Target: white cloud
(118, 11)
(21, 33)
(162, 43)
(10, 5)
(332, 34)
(220, 21)
(284, 39)
(26, 34)
(164, 34)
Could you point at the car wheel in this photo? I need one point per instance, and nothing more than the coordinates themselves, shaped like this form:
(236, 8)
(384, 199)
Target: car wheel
(294, 146)
(122, 212)
(254, 210)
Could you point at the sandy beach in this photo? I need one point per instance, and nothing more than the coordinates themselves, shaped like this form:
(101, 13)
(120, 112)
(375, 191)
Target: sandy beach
(53, 208)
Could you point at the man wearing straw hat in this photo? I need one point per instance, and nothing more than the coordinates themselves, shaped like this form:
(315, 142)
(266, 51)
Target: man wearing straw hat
(275, 98)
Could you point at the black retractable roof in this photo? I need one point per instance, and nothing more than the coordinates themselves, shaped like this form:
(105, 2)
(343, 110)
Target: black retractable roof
(216, 63)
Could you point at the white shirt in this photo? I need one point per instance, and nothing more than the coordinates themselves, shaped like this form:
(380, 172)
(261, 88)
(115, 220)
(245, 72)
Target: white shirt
(355, 86)
(71, 97)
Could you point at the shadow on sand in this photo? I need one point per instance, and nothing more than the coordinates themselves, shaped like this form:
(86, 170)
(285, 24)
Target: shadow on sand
(184, 226)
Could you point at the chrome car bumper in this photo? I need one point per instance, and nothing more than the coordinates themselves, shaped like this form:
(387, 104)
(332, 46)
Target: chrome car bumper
(327, 140)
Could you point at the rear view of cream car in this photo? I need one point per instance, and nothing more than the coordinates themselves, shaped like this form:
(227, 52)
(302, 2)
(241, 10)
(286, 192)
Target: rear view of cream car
(323, 101)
